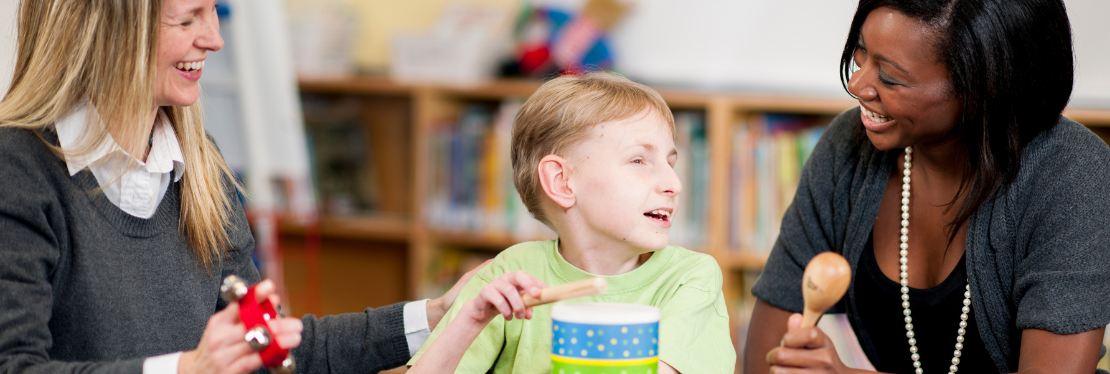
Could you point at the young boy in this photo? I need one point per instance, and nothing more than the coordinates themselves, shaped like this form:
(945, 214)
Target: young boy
(593, 159)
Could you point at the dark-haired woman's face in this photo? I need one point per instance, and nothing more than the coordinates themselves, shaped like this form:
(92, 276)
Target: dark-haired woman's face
(903, 88)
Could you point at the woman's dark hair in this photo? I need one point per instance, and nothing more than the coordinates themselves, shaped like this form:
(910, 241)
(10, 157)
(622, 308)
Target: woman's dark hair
(1011, 64)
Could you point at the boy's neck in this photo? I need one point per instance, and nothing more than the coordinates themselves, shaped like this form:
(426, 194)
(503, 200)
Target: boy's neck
(601, 259)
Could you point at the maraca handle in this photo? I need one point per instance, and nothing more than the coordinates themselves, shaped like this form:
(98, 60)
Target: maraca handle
(810, 318)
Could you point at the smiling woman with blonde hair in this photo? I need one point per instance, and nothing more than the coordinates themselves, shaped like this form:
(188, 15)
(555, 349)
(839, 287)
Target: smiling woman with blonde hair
(73, 53)
(119, 217)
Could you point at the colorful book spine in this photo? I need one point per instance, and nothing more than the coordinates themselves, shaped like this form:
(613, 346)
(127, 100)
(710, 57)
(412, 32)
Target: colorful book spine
(690, 221)
(471, 189)
(768, 155)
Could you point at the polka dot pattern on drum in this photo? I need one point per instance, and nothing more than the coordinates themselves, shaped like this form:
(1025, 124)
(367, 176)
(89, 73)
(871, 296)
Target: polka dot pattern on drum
(604, 338)
(587, 341)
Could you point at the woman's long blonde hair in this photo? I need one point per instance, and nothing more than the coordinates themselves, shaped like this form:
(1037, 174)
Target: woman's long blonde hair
(104, 51)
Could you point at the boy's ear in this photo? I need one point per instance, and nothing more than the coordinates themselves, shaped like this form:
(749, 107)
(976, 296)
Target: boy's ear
(554, 172)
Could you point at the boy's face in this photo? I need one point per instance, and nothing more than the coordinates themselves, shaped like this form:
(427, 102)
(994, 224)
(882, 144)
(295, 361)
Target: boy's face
(625, 183)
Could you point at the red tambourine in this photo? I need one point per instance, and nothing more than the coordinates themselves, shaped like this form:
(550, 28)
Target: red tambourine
(256, 316)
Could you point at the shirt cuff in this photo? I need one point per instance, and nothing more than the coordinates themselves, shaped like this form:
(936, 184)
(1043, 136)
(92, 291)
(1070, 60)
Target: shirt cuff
(167, 363)
(416, 325)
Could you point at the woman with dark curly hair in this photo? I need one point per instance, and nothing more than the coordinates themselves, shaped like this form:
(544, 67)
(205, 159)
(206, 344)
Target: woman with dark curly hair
(975, 217)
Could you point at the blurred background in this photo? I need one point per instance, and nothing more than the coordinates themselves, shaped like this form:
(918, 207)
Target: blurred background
(373, 135)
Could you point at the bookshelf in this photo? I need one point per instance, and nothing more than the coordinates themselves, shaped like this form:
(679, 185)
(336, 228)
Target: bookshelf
(401, 123)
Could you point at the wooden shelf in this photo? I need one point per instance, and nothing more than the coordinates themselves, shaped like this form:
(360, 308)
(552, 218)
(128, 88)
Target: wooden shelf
(792, 104)
(402, 116)
(675, 97)
(379, 227)
(494, 242)
(737, 259)
(496, 90)
(1089, 117)
(354, 85)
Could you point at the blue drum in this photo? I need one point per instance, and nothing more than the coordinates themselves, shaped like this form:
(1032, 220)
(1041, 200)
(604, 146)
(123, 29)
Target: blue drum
(604, 338)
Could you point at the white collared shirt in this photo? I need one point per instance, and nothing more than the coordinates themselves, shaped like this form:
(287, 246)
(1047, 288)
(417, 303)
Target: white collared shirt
(135, 187)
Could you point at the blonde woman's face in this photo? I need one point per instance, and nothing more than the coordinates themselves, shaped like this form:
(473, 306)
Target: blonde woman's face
(189, 30)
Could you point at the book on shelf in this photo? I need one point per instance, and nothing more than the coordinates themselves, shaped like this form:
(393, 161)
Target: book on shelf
(689, 226)
(768, 153)
(448, 266)
(340, 156)
(471, 188)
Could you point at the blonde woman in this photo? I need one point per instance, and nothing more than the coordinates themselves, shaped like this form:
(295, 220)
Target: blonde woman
(119, 217)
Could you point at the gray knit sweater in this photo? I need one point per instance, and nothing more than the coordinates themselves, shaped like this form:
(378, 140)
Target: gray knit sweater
(85, 287)
(1038, 254)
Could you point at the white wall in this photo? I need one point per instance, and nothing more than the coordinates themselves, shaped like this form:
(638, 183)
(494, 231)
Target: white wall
(1091, 35)
(761, 45)
(794, 45)
(769, 45)
(8, 15)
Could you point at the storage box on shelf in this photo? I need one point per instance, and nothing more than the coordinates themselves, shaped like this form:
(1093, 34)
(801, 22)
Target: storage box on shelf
(437, 157)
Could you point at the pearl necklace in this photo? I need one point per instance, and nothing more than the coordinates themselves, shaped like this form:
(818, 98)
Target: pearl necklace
(905, 283)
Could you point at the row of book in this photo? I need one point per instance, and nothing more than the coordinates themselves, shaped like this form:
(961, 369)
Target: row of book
(768, 151)
(471, 188)
(689, 227)
(340, 156)
(470, 179)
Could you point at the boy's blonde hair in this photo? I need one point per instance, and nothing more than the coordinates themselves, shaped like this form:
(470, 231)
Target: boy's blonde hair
(559, 116)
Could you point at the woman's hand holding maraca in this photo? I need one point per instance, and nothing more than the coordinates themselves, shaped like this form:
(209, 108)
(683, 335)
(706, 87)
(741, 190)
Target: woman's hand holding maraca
(805, 350)
(223, 347)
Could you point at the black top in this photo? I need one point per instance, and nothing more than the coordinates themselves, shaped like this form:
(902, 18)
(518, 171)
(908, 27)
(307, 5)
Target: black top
(936, 317)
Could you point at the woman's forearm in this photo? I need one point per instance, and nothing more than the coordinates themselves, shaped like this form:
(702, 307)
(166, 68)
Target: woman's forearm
(765, 331)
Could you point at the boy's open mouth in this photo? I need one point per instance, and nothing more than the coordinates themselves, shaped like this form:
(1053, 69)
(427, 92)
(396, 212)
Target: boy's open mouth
(659, 214)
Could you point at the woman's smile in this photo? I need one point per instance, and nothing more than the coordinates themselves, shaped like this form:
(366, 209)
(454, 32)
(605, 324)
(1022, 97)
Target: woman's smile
(873, 121)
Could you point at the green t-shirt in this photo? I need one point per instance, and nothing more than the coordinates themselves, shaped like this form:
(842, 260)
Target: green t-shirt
(685, 286)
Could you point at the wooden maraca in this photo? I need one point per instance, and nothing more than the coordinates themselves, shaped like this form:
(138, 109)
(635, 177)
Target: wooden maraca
(823, 284)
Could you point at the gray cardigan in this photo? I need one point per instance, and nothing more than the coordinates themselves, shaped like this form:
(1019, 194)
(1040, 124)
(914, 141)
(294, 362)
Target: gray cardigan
(85, 287)
(1038, 254)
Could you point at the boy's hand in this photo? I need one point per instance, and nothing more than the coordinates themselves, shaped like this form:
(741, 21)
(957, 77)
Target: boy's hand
(502, 296)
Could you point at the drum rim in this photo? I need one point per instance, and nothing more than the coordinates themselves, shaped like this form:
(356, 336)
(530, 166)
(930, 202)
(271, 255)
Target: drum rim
(605, 313)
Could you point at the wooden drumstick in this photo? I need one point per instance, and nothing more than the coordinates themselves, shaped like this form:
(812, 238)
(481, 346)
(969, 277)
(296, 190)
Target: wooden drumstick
(567, 291)
(824, 282)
